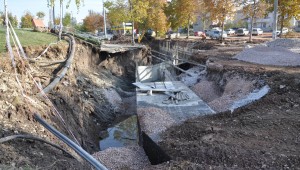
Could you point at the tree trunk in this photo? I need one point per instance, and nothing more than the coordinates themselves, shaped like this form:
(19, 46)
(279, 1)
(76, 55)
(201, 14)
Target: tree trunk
(61, 16)
(252, 20)
(281, 24)
(188, 34)
(222, 31)
(251, 28)
(132, 29)
(53, 17)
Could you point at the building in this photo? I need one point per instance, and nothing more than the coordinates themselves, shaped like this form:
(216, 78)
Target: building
(39, 25)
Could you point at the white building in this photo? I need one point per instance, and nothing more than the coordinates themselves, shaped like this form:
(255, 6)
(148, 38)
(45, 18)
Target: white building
(265, 23)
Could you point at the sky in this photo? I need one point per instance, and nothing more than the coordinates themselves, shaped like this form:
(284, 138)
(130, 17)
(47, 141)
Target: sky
(19, 7)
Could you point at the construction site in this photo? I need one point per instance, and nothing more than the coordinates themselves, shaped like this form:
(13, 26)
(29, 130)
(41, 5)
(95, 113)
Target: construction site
(162, 104)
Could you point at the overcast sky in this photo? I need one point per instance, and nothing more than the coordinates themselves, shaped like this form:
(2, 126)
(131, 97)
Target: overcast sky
(18, 7)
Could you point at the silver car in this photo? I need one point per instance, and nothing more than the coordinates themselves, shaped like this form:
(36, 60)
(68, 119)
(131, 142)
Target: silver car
(216, 34)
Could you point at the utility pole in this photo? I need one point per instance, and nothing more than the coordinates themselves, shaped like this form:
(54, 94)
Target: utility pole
(104, 16)
(275, 19)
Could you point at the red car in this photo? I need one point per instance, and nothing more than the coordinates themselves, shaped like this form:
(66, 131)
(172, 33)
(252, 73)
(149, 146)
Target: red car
(198, 33)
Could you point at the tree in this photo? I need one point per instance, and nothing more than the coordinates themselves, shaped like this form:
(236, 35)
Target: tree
(13, 19)
(93, 21)
(182, 13)
(134, 11)
(67, 19)
(52, 2)
(26, 20)
(220, 10)
(137, 13)
(157, 19)
(117, 12)
(40, 15)
(203, 13)
(253, 9)
(287, 9)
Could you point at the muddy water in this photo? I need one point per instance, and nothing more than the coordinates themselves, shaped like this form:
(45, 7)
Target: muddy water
(124, 133)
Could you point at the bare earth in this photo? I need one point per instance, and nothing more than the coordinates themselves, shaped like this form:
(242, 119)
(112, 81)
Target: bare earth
(262, 135)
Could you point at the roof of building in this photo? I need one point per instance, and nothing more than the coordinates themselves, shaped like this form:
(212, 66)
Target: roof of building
(38, 23)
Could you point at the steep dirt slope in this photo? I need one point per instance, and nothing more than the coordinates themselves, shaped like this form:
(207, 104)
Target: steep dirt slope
(81, 98)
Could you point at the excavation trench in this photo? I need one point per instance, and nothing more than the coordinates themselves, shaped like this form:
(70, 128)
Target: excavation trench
(97, 95)
(220, 90)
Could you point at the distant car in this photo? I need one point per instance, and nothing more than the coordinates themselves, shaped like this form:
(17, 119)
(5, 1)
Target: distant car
(257, 31)
(216, 34)
(210, 32)
(230, 31)
(198, 33)
(150, 33)
(242, 31)
(172, 34)
(284, 31)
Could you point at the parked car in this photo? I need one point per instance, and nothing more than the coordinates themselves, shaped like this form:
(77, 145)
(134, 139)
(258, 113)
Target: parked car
(198, 33)
(257, 31)
(171, 35)
(216, 34)
(210, 32)
(150, 33)
(242, 31)
(284, 31)
(230, 31)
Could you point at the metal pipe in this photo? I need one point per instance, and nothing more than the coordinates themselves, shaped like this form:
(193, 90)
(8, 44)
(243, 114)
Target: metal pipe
(179, 59)
(173, 65)
(71, 144)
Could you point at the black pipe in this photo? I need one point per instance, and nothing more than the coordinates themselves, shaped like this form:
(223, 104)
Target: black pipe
(66, 67)
(71, 144)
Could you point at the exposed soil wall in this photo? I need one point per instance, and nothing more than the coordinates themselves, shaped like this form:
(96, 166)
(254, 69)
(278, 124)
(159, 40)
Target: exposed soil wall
(81, 98)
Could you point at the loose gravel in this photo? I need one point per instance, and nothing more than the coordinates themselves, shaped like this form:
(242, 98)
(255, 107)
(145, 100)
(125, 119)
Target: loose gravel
(131, 157)
(281, 52)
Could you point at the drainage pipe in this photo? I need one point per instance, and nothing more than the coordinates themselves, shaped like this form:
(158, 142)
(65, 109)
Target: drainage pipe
(71, 144)
(66, 67)
(173, 65)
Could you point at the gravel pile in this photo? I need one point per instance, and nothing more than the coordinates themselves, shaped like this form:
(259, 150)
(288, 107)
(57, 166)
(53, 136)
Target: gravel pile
(160, 119)
(131, 157)
(281, 52)
(285, 43)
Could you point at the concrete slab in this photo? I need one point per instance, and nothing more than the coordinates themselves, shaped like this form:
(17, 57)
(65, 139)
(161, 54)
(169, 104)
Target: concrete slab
(117, 48)
(155, 115)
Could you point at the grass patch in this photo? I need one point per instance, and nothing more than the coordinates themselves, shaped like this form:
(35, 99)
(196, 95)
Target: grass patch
(27, 38)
